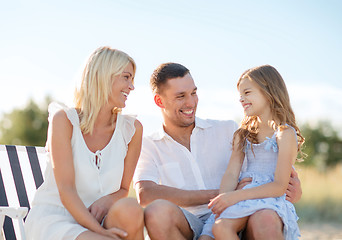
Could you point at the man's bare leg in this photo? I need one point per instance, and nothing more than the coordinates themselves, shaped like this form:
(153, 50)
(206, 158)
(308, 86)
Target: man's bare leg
(166, 221)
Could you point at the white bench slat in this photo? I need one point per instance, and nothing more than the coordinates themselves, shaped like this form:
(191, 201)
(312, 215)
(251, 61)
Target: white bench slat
(23, 159)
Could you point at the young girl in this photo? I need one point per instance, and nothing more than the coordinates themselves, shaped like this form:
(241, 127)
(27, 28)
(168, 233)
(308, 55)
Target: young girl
(270, 140)
(93, 151)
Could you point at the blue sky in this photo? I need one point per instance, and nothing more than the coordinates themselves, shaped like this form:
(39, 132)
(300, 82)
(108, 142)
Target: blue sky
(44, 45)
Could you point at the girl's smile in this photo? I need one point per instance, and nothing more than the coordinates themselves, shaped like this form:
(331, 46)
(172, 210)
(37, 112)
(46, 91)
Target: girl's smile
(253, 101)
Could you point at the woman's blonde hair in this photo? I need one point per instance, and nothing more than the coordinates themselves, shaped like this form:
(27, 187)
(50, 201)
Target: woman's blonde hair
(96, 84)
(274, 89)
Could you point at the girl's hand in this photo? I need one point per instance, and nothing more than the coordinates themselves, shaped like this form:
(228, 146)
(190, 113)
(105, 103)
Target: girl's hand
(221, 202)
(100, 208)
(115, 233)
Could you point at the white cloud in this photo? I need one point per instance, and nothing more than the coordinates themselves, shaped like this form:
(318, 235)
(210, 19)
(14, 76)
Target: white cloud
(140, 102)
(22, 79)
(310, 102)
(219, 103)
(316, 102)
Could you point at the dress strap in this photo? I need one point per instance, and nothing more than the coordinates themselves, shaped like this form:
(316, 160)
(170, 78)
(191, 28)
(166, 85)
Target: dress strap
(271, 143)
(71, 113)
(126, 124)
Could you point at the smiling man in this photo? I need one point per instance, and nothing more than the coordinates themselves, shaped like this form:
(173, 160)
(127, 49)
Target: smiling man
(181, 165)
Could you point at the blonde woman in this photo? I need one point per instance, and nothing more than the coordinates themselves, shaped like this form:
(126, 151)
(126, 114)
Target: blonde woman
(93, 151)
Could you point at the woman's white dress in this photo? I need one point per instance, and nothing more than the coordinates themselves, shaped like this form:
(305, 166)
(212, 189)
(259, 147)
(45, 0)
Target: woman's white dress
(96, 175)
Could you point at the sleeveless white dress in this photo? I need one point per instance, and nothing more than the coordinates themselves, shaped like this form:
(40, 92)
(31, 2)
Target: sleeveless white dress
(261, 166)
(96, 175)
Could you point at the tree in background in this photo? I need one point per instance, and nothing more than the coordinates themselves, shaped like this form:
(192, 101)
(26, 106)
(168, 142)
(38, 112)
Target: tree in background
(27, 126)
(322, 145)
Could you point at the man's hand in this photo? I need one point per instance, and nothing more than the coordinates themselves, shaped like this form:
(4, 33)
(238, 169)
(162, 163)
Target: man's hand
(243, 182)
(294, 189)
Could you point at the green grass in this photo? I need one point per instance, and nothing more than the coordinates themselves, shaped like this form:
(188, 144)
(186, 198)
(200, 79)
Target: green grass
(322, 195)
(131, 192)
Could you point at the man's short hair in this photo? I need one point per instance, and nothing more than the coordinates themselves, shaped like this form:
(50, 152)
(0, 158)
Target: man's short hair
(165, 72)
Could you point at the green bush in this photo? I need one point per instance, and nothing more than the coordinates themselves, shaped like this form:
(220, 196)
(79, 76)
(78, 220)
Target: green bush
(27, 126)
(322, 145)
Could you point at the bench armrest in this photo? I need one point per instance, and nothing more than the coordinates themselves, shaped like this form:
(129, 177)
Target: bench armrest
(14, 213)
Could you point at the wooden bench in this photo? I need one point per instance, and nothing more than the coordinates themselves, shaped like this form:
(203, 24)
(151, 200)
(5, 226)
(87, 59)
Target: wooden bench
(21, 173)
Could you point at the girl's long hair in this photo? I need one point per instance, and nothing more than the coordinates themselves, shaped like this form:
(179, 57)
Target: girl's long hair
(274, 89)
(96, 84)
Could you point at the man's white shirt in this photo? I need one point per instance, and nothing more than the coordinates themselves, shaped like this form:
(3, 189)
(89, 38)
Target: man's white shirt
(166, 162)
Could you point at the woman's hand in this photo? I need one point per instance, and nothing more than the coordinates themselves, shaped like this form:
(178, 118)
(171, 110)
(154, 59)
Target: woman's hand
(100, 207)
(221, 202)
(115, 233)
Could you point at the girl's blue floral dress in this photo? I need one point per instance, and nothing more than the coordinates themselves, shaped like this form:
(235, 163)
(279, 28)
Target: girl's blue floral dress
(261, 165)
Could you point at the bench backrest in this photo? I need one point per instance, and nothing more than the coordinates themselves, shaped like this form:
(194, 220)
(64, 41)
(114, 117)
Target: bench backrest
(21, 173)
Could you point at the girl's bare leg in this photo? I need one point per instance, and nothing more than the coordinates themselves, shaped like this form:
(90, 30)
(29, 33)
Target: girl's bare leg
(205, 237)
(229, 228)
(264, 224)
